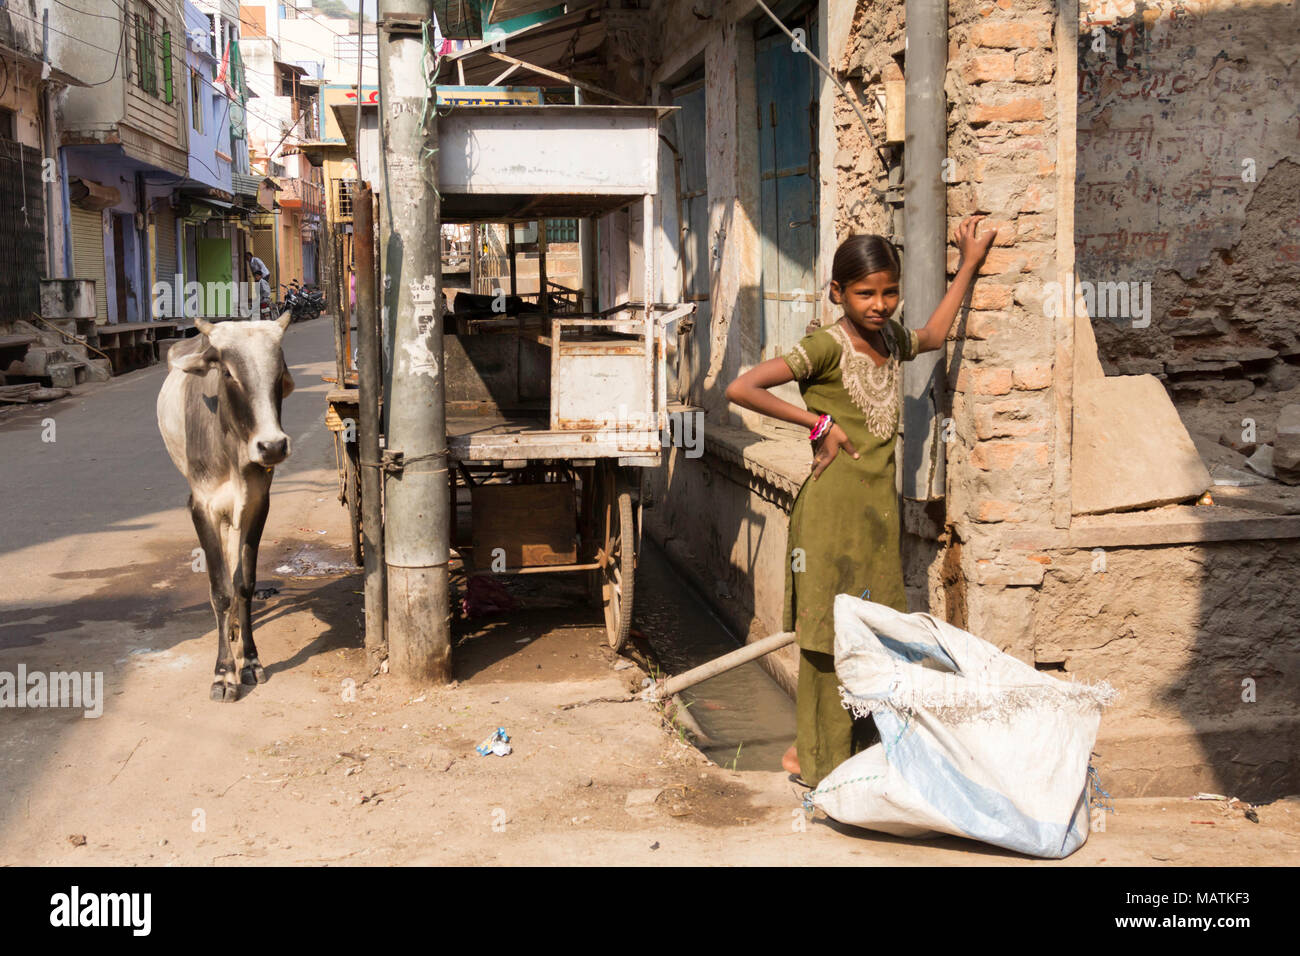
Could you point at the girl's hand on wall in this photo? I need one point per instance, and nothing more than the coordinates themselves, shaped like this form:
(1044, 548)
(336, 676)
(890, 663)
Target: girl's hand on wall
(828, 446)
(973, 248)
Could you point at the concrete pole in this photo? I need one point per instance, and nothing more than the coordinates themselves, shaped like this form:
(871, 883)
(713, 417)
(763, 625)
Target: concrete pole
(925, 231)
(416, 499)
(369, 373)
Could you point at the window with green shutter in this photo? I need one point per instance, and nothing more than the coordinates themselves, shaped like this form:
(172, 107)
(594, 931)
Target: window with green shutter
(167, 66)
(148, 46)
(139, 51)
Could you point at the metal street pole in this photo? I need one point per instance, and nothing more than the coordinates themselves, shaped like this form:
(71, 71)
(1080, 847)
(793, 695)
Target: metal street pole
(369, 373)
(925, 230)
(417, 505)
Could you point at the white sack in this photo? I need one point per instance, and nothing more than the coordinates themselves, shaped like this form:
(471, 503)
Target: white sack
(973, 742)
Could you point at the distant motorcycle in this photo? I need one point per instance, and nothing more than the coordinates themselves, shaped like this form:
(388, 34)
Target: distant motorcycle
(302, 302)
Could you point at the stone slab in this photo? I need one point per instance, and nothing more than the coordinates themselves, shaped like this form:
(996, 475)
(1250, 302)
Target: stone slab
(1131, 450)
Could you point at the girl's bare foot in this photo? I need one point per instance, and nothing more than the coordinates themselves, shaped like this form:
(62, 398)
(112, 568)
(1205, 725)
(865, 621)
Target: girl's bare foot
(791, 761)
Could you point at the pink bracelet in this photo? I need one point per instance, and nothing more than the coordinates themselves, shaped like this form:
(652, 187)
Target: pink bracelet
(821, 428)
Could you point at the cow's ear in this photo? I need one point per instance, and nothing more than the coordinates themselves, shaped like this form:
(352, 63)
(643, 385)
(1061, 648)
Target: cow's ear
(286, 382)
(195, 363)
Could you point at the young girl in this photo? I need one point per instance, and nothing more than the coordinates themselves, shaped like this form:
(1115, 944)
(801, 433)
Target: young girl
(844, 535)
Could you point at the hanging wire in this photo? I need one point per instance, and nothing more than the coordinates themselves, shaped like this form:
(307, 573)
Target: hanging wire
(852, 100)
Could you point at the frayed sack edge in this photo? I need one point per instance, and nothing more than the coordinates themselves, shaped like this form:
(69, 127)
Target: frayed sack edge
(995, 706)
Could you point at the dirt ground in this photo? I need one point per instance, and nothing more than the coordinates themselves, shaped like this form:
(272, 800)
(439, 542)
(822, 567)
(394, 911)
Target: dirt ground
(323, 766)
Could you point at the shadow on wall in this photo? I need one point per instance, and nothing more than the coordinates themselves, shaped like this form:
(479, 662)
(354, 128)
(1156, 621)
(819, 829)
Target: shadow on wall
(1188, 245)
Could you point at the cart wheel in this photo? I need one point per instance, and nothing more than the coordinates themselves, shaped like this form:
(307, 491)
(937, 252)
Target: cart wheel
(352, 491)
(618, 575)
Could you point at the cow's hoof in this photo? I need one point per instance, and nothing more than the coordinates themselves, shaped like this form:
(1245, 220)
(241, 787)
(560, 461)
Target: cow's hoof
(224, 693)
(252, 674)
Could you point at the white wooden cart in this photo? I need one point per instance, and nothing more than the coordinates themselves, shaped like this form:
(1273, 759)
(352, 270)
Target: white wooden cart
(552, 411)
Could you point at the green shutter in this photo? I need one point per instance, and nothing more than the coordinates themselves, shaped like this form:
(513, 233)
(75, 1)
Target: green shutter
(139, 50)
(167, 66)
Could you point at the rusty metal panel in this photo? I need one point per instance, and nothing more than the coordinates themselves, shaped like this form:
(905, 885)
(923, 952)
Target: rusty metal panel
(602, 374)
(595, 388)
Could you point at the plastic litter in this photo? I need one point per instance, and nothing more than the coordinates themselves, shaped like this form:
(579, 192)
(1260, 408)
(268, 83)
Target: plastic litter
(498, 743)
(974, 742)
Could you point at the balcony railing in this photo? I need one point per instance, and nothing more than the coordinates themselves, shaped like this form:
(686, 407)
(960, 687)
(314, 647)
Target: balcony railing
(301, 194)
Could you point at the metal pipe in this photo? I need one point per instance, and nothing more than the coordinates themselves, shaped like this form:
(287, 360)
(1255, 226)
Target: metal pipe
(925, 228)
(416, 492)
(720, 665)
(369, 373)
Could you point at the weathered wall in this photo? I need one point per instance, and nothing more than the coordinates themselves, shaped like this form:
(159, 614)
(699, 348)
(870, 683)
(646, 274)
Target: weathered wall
(1201, 643)
(1165, 623)
(1190, 168)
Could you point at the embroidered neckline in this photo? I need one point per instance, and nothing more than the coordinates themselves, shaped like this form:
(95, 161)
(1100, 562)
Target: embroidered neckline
(872, 388)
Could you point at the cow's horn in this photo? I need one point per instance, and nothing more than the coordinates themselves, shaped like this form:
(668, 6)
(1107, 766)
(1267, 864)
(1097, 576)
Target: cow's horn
(204, 326)
(285, 318)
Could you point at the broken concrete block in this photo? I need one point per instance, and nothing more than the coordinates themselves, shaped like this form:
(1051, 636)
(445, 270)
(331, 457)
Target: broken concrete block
(1240, 353)
(1190, 367)
(1286, 446)
(1199, 323)
(1232, 439)
(64, 374)
(1262, 461)
(1130, 449)
(1283, 377)
(1231, 390)
(98, 370)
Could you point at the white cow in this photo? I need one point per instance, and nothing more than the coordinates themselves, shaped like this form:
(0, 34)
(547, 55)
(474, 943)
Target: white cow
(219, 414)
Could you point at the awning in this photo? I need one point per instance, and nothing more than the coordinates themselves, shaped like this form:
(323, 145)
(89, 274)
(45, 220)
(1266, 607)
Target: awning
(561, 44)
(88, 194)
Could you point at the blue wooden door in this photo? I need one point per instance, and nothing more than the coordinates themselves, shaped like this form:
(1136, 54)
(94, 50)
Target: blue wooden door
(787, 144)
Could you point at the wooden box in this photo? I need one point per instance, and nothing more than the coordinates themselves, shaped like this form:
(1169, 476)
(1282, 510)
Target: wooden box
(532, 525)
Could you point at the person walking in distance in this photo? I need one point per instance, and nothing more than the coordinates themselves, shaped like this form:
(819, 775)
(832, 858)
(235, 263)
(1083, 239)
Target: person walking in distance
(258, 271)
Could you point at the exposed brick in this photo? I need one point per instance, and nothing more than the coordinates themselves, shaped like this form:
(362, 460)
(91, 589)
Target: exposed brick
(984, 381)
(1032, 377)
(1005, 455)
(1013, 110)
(1022, 575)
(1013, 34)
(1013, 144)
(989, 68)
(1026, 163)
(961, 200)
(1034, 227)
(990, 295)
(1035, 67)
(1002, 261)
(990, 510)
(989, 424)
(1040, 558)
(984, 325)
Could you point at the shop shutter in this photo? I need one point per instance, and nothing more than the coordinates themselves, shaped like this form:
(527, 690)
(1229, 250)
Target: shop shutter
(264, 249)
(165, 262)
(88, 255)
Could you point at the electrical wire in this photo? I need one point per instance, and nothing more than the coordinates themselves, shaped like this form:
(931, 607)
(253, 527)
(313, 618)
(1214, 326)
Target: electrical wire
(102, 16)
(852, 100)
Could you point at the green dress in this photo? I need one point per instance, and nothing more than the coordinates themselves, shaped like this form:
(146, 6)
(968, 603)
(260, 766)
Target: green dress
(844, 528)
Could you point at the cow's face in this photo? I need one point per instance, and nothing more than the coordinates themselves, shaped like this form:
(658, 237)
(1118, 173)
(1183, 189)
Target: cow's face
(252, 380)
